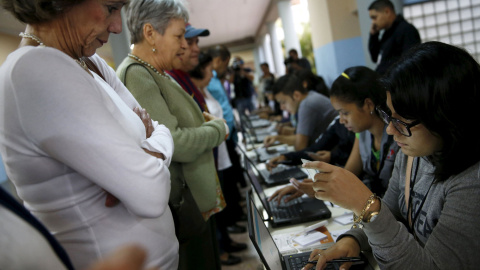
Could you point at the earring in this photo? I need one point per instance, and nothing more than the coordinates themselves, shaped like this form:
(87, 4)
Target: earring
(371, 112)
(154, 50)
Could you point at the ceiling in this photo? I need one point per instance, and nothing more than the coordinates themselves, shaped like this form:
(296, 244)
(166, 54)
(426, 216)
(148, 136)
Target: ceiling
(231, 22)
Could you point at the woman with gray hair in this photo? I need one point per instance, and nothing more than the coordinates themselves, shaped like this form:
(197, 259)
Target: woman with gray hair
(157, 29)
(72, 137)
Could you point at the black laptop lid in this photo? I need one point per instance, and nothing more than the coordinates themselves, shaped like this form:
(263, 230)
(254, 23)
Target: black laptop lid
(252, 174)
(261, 238)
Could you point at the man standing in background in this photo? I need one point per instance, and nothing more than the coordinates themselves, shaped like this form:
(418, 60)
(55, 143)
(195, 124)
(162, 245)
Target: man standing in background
(398, 36)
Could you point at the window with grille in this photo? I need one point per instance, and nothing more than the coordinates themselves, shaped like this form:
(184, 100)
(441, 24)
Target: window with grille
(455, 22)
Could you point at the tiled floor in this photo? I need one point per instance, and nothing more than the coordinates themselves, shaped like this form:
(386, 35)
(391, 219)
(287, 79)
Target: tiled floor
(250, 259)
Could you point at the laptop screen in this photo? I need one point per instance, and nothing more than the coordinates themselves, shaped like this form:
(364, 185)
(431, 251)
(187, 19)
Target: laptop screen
(261, 238)
(252, 174)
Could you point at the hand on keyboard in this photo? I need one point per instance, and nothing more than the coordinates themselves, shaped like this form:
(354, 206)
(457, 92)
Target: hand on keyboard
(290, 191)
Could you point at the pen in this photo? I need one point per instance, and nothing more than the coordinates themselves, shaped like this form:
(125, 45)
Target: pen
(342, 260)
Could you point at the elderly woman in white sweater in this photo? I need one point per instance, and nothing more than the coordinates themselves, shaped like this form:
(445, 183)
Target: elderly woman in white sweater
(72, 139)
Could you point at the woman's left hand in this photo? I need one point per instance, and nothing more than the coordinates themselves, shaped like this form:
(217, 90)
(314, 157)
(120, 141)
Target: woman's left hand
(147, 121)
(111, 200)
(339, 186)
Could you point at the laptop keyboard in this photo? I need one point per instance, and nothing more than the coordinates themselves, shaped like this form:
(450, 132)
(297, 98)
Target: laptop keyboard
(286, 210)
(285, 175)
(299, 262)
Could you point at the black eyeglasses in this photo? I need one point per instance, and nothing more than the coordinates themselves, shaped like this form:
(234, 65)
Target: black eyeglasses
(399, 125)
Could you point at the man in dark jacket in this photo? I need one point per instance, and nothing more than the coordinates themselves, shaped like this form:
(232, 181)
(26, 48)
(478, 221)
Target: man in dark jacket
(398, 36)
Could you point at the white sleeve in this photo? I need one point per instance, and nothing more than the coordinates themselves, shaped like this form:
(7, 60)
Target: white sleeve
(68, 117)
(161, 140)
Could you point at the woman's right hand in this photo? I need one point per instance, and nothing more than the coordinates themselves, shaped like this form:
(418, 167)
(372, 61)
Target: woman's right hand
(147, 121)
(209, 117)
(288, 190)
(345, 247)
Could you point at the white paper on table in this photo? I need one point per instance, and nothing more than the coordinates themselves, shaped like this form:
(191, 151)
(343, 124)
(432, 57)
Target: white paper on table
(309, 238)
(344, 220)
(284, 243)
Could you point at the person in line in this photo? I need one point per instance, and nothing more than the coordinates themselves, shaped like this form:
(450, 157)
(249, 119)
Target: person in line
(27, 244)
(189, 61)
(157, 29)
(242, 79)
(221, 57)
(314, 112)
(72, 139)
(428, 217)
(293, 63)
(201, 76)
(398, 36)
(265, 84)
(355, 95)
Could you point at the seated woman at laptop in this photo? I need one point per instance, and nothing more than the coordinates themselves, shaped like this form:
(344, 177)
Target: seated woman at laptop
(333, 146)
(428, 218)
(355, 94)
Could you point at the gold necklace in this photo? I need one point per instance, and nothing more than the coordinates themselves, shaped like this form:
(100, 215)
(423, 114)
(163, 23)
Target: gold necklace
(148, 65)
(40, 44)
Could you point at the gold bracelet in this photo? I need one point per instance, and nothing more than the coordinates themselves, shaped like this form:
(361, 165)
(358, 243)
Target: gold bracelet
(357, 220)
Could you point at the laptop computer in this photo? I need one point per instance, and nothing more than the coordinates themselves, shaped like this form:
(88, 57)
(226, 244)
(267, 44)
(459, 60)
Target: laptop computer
(251, 123)
(261, 133)
(281, 175)
(258, 128)
(263, 153)
(296, 211)
(257, 123)
(268, 251)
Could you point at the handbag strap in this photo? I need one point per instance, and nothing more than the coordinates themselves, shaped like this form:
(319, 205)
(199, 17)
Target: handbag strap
(91, 65)
(407, 188)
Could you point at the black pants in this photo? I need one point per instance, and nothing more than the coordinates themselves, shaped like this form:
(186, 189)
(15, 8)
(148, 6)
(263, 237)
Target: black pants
(231, 178)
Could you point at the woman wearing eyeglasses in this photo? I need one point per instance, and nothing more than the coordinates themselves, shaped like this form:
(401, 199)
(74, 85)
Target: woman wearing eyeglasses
(428, 217)
(355, 94)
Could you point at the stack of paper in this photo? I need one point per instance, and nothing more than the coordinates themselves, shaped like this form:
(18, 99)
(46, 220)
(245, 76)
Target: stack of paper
(309, 238)
(287, 245)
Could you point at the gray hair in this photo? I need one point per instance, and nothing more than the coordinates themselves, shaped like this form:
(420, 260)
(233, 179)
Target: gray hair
(158, 13)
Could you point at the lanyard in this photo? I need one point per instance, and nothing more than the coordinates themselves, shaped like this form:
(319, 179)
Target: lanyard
(414, 216)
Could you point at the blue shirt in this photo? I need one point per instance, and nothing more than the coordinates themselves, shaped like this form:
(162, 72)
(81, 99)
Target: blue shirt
(215, 88)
